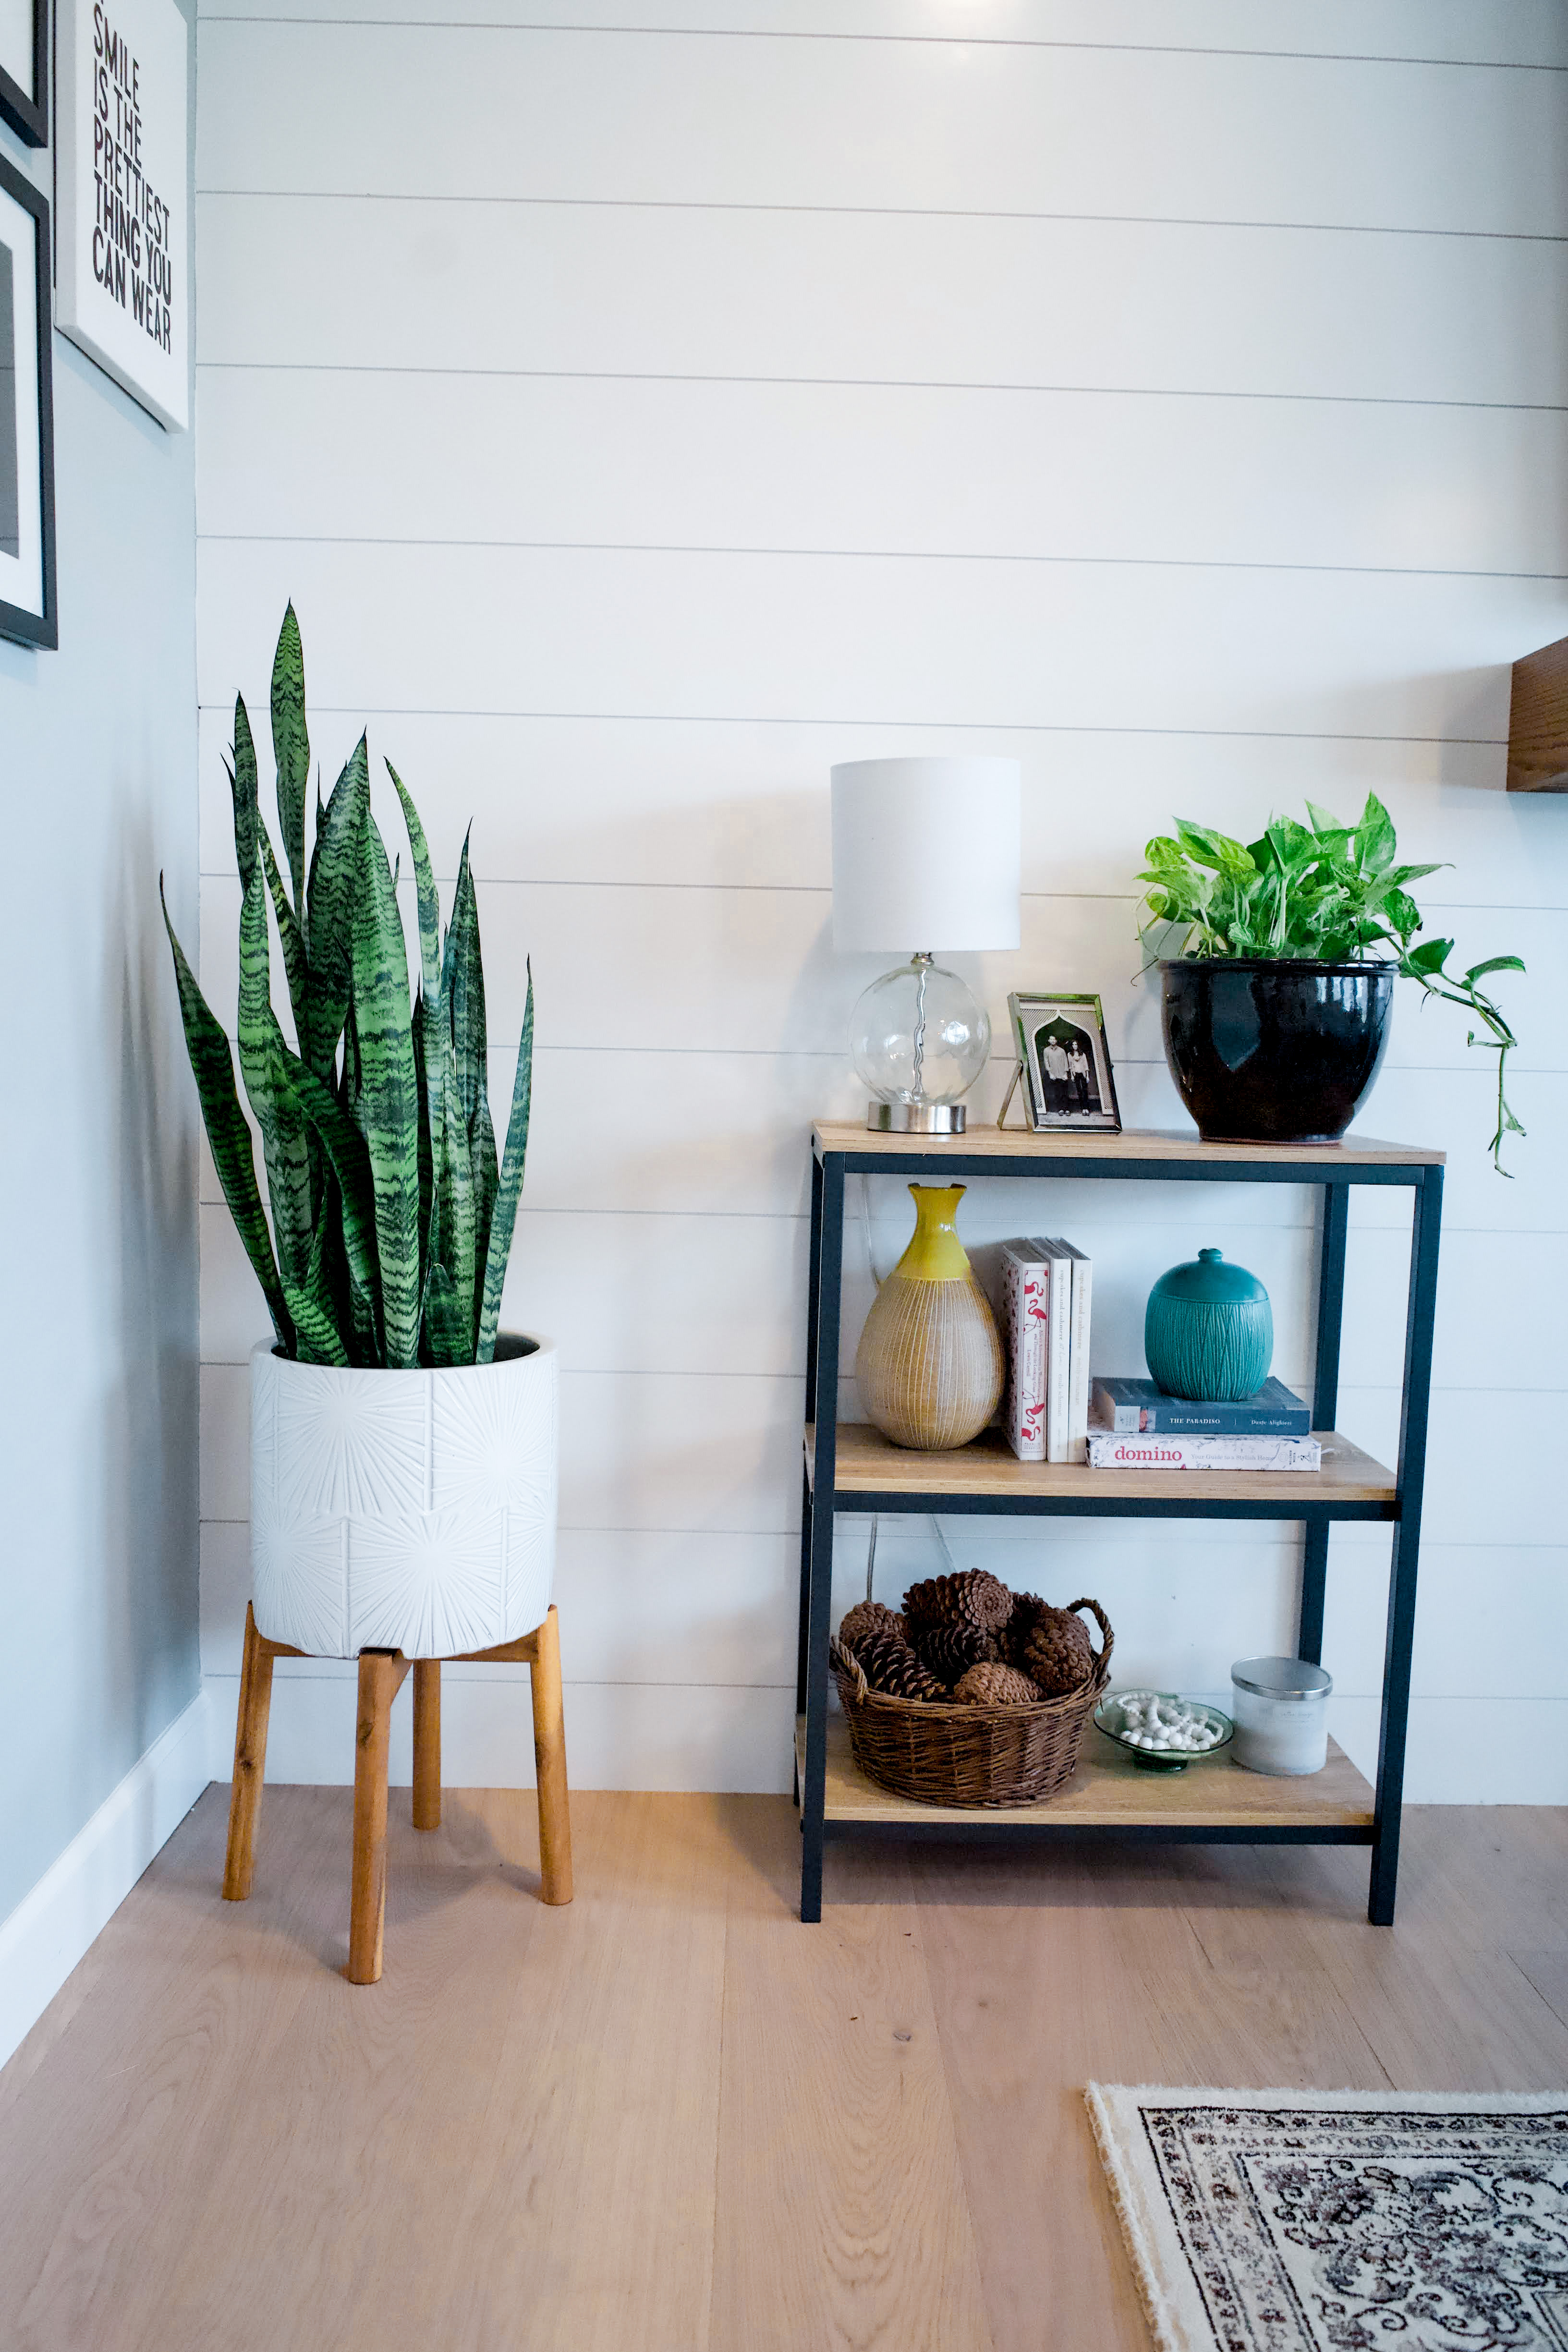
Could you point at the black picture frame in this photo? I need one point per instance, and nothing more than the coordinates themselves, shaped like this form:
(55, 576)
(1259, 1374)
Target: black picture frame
(29, 116)
(21, 626)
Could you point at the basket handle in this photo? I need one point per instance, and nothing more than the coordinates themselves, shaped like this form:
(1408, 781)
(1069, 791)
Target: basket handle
(1103, 1659)
(847, 1659)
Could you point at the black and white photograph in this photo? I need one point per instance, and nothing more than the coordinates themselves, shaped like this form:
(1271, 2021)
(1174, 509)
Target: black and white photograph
(24, 68)
(1065, 1060)
(27, 430)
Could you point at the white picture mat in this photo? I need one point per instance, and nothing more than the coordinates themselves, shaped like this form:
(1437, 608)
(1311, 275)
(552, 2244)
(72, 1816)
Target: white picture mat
(157, 36)
(22, 575)
(16, 44)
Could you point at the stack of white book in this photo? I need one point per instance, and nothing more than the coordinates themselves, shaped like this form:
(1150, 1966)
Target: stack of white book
(1039, 1292)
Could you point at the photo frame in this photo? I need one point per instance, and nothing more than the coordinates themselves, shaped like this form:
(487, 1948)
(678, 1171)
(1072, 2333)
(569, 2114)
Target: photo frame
(122, 159)
(27, 612)
(24, 69)
(1063, 1064)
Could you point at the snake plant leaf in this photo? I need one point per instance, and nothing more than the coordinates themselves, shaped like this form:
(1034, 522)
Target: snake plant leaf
(320, 1341)
(425, 885)
(463, 988)
(327, 1275)
(291, 751)
(424, 1022)
(389, 1099)
(242, 785)
(486, 1184)
(505, 1216)
(349, 1155)
(330, 898)
(284, 1139)
(458, 1254)
(212, 1064)
(448, 1333)
(292, 939)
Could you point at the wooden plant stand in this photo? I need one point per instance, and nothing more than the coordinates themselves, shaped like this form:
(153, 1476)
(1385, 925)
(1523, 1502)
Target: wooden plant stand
(381, 1676)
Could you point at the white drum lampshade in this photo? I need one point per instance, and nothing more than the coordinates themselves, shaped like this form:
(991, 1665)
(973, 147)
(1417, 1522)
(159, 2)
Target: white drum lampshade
(926, 856)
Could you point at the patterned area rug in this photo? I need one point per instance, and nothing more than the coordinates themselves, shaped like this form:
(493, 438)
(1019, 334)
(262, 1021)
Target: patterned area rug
(1345, 2222)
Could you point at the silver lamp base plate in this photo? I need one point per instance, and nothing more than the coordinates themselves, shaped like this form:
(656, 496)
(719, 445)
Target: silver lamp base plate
(915, 1118)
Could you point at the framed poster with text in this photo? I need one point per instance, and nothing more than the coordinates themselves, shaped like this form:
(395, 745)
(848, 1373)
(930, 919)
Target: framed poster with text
(120, 132)
(27, 417)
(24, 68)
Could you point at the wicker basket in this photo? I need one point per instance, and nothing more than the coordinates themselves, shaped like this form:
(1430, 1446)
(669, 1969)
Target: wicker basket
(981, 1755)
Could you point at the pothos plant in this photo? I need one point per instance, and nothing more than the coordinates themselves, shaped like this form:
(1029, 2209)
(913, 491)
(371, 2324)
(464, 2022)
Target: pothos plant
(392, 1217)
(1321, 891)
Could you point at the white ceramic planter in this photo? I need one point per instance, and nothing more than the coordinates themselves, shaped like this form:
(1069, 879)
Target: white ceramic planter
(411, 1511)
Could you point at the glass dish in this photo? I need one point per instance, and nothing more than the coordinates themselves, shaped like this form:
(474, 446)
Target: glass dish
(1108, 1719)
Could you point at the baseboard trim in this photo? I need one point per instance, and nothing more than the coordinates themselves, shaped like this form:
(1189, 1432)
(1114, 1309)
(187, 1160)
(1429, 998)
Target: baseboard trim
(54, 1925)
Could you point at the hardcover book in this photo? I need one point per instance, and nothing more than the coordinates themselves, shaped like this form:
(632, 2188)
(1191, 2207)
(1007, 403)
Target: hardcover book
(1059, 1269)
(1015, 1278)
(1111, 1449)
(1141, 1408)
(1074, 1420)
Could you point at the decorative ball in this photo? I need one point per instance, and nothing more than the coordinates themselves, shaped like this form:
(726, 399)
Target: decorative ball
(1208, 1331)
(997, 1686)
(973, 1595)
(1058, 1654)
(868, 1617)
(950, 1650)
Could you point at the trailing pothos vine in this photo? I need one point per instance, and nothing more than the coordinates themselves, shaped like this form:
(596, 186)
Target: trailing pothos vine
(1324, 892)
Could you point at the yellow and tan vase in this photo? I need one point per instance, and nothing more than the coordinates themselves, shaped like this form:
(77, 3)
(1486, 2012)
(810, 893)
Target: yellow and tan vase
(929, 1366)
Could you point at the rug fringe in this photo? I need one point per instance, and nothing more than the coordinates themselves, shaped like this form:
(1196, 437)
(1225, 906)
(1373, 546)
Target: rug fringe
(1123, 2196)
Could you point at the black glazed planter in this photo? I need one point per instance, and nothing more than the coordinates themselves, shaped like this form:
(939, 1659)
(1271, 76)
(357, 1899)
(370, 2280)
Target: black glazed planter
(1269, 1051)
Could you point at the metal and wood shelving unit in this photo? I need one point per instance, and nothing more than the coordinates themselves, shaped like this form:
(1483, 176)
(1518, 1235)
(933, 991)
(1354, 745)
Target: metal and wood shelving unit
(855, 1469)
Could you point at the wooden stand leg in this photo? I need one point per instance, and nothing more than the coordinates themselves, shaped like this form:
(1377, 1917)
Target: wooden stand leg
(550, 1767)
(427, 1743)
(249, 1761)
(379, 1677)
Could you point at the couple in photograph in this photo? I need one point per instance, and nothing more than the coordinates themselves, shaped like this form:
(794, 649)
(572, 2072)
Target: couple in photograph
(1066, 1070)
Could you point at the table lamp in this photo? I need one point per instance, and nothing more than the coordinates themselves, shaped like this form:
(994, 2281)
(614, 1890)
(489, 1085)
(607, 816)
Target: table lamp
(923, 851)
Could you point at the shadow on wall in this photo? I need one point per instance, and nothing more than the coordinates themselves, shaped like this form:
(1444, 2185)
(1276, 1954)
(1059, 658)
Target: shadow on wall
(149, 1548)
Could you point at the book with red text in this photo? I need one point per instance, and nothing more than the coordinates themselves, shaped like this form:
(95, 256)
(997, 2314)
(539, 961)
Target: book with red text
(1117, 1449)
(1015, 1277)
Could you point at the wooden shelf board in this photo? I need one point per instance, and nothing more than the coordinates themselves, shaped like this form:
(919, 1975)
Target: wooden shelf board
(868, 1463)
(1132, 1145)
(1110, 1792)
(1538, 721)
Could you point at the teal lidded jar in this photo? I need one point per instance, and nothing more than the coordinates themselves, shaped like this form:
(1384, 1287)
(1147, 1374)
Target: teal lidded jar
(1209, 1331)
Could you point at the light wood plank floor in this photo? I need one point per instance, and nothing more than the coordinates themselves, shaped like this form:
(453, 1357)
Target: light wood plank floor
(670, 2117)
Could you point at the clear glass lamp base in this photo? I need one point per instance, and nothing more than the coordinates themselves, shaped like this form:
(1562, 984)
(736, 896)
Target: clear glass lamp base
(919, 1039)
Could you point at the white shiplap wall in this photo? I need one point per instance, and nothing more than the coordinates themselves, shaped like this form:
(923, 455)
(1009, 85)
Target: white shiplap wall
(647, 404)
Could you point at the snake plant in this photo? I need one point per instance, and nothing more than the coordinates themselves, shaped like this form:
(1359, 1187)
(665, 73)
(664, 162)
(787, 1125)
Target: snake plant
(391, 1216)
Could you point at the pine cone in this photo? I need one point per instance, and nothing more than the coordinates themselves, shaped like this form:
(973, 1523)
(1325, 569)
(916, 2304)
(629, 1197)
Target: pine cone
(949, 1650)
(868, 1617)
(1027, 1610)
(1059, 1653)
(997, 1686)
(891, 1665)
(973, 1594)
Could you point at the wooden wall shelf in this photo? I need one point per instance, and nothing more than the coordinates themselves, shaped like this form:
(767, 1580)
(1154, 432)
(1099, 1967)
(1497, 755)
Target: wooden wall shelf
(1538, 723)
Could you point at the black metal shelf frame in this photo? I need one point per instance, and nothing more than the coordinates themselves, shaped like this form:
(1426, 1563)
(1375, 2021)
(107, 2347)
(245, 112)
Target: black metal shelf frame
(821, 1500)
